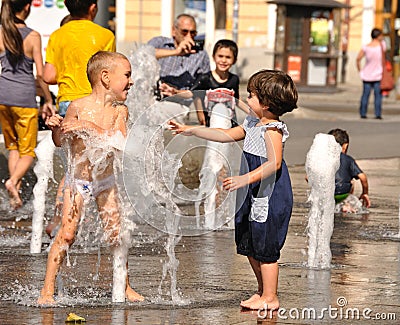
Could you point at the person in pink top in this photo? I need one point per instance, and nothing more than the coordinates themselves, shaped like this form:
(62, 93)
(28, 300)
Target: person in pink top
(371, 72)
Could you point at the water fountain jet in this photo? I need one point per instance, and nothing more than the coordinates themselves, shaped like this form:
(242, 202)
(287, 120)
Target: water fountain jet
(44, 171)
(322, 162)
(215, 168)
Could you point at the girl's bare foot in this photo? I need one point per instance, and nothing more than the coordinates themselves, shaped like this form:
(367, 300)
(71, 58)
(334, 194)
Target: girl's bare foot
(15, 199)
(262, 303)
(251, 299)
(132, 295)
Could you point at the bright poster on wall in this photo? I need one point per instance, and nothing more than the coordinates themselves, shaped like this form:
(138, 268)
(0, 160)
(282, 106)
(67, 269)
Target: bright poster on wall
(45, 18)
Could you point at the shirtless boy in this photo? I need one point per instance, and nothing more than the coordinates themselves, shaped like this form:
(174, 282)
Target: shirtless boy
(89, 123)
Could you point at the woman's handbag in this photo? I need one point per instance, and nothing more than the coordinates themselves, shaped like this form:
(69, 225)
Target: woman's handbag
(387, 81)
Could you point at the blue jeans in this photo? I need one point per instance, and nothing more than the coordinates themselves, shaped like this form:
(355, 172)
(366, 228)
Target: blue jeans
(367, 86)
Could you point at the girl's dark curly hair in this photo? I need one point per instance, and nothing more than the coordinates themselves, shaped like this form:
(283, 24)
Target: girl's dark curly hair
(274, 89)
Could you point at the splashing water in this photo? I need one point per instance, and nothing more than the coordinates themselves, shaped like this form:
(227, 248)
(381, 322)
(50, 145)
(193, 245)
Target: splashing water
(43, 170)
(153, 184)
(97, 153)
(149, 171)
(214, 169)
(152, 160)
(351, 204)
(322, 162)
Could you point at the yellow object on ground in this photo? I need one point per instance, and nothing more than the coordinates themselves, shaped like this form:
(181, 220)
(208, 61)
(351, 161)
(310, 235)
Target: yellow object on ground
(74, 318)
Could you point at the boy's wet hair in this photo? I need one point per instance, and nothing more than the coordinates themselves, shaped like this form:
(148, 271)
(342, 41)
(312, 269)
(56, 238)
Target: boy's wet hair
(79, 8)
(102, 60)
(341, 136)
(226, 43)
(274, 89)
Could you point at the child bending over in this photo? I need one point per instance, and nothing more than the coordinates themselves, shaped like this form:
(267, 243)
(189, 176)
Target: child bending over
(89, 120)
(348, 170)
(264, 199)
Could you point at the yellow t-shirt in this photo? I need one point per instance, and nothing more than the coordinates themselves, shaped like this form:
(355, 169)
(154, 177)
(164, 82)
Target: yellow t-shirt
(69, 49)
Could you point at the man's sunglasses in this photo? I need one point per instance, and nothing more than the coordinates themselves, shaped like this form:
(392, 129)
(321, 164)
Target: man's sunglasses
(184, 32)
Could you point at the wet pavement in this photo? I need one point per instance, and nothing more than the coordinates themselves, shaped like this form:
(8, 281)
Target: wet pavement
(211, 277)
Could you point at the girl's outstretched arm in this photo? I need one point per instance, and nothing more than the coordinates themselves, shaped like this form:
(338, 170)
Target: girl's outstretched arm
(273, 142)
(219, 135)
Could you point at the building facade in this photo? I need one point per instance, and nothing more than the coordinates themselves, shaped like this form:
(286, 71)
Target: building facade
(251, 23)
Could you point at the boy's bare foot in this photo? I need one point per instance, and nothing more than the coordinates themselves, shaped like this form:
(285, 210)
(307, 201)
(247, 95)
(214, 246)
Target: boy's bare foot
(251, 299)
(45, 300)
(132, 295)
(15, 199)
(262, 303)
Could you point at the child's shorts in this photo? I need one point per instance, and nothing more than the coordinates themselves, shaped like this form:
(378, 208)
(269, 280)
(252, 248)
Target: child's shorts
(62, 107)
(20, 127)
(340, 197)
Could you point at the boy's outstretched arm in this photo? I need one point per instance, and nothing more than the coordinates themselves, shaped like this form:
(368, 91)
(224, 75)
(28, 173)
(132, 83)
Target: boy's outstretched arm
(219, 135)
(54, 123)
(364, 195)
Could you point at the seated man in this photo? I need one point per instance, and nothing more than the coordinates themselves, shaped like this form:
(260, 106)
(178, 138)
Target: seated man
(181, 62)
